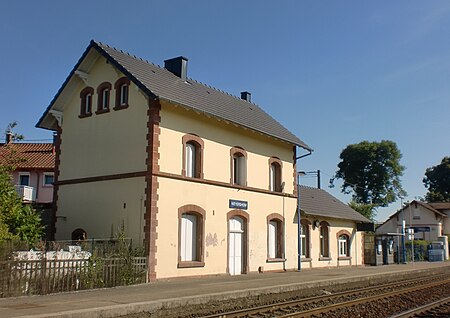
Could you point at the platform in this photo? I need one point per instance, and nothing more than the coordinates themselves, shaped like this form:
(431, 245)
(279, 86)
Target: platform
(118, 301)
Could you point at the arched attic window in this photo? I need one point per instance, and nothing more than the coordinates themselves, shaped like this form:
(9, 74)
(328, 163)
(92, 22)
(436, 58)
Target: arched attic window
(86, 96)
(122, 87)
(103, 101)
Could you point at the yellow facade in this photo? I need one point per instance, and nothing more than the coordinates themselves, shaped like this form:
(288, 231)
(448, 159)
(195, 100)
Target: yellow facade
(104, 181)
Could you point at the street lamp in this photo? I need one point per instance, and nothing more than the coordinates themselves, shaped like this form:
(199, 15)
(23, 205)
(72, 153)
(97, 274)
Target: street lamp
(402, 211)
(299, 225)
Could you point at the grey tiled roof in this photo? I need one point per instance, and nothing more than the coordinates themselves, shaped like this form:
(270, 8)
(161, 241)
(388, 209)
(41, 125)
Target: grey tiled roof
(440, 205)
(198, 96)
(318, 202)
(159, 82)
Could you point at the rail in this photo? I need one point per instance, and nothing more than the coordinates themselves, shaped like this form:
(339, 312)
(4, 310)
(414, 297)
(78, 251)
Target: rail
(312, 306)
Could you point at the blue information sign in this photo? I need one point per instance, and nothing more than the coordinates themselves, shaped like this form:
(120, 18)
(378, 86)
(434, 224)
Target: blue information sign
(236, 204)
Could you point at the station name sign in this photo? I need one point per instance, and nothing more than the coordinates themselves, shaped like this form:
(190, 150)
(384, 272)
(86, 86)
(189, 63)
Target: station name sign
(236, 204)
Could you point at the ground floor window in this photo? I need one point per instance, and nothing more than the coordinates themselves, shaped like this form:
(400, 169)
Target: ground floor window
(324, 239)
(275, 236)
(343, 245)
(304, 238)
(191, 236)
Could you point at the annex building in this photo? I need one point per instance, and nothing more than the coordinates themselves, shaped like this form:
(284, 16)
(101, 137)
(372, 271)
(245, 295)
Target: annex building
(204, 180)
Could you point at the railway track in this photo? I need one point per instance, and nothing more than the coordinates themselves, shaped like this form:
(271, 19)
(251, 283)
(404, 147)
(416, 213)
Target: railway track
(437, 309)
(342, 301)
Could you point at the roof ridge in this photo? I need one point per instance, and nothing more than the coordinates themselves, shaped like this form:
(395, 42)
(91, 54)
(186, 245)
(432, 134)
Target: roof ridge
(311, 187)
(128, 53)
(221, 91)
(256, 119)
(188, 78)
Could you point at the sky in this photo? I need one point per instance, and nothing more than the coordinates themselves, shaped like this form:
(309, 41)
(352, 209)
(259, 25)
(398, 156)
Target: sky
(333, 72)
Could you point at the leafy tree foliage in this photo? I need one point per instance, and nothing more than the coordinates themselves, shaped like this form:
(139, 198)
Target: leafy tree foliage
(371, 171)
(437, 181)
(367, 210)
(17, 221)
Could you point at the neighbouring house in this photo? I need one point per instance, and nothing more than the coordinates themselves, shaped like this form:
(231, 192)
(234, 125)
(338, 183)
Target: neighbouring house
(206, 181)
(33, 175)
(429, 220)
(329, 233)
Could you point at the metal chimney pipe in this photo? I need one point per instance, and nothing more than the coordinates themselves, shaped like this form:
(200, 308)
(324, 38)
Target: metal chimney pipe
(246, 96)
(177, 66)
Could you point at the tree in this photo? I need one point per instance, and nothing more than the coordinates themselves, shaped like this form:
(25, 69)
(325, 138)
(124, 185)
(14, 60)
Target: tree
(371, 171)
(367, 210)
(17, 221)
(437, 181)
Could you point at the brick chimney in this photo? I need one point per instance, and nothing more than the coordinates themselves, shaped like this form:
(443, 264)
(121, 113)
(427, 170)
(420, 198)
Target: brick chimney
(9, 137)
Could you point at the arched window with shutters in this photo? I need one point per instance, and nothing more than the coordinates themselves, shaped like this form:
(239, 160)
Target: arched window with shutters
(305, 238)
(324, 240)
(191, 236)
(238, 158)
(275, 180)
(275, 237)
(192, 156)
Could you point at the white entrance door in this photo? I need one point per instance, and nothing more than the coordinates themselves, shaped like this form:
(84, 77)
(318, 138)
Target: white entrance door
(236, 226)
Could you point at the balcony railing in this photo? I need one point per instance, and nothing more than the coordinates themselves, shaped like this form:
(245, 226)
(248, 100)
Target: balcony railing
(26, 193)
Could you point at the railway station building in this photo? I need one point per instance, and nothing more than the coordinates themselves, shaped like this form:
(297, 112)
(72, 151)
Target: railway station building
(206, 181)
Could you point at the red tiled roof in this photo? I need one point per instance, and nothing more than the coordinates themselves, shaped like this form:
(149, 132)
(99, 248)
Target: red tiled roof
(32, 156)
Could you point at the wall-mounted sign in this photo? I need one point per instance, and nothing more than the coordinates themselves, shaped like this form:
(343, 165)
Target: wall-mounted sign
(421, 229)
(365, 227)
(236, 204)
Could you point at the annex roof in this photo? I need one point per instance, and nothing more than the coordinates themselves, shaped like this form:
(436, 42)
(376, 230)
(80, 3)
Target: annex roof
(318, 202)
(158, 82)
(440, 205)
(433, 207)
(30, 155)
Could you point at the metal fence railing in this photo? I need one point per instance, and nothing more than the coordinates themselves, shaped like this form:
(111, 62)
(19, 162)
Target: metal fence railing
(44, 276)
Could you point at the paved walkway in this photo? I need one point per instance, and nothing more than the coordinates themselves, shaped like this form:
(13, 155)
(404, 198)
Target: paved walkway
(149, 297)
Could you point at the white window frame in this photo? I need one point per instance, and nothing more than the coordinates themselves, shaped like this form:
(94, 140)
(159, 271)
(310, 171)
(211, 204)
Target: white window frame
(191, 164)
(324, 242)
(303, 240)
(239, 169)
(343, 245)
(273, 239)
(88, 103)
(124, 91)
(272, 177)
(22, 174)
(275, 179)
(189, 225)
(105, 98)
(45, 175)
